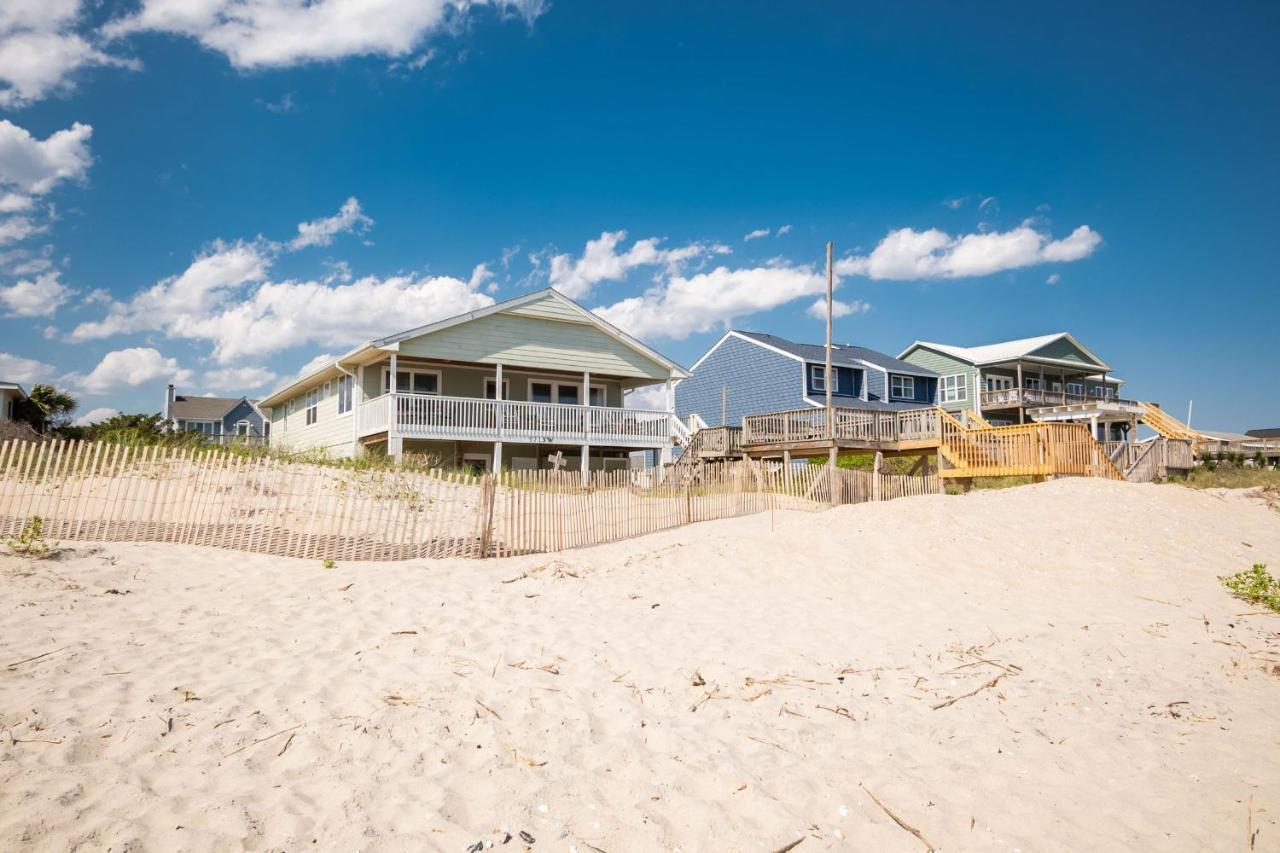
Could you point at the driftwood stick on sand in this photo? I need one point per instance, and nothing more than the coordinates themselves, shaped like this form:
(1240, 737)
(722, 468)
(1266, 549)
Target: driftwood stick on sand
(261, 739)
(792, 846)
(992, 683)
(37, 657)
(899, 821)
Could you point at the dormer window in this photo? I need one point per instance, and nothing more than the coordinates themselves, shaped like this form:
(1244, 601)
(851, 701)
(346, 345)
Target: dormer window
(903, 387)
(818, 379)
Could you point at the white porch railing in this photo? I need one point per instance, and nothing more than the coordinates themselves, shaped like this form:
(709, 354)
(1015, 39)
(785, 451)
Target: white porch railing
(471, 419)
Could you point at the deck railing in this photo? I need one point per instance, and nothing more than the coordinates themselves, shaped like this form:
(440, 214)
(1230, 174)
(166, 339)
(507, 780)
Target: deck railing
(1005, 398)
(866, 425)
(431, 416)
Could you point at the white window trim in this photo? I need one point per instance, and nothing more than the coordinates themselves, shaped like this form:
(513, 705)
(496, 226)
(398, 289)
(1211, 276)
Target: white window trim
(962, 386)
(386, 382)
(819, 385)
(247, 427)
(1032, 383)
(998, 383)
(338, 388)
(1076, 388)
(506, 387)
(307, 406)
(905, 383)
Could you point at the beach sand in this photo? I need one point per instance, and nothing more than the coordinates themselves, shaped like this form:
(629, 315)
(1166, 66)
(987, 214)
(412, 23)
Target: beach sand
(734, 685)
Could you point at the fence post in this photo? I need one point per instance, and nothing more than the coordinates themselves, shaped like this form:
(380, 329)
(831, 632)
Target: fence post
(488, 490)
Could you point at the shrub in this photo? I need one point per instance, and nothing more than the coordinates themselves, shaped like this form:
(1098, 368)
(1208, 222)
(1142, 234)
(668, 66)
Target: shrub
(31, 542)
(1255, 586)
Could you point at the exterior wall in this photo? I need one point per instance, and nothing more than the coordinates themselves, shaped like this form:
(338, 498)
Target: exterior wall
(945, 365)
(524, 341)
(519, 456)
(759, 381)
(332, 433)
(8, 400)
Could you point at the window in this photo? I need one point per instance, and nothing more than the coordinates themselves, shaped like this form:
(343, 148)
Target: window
(954, 388)
(345, 386)
(1056, 387)
(1033, 384)
(999, 383)
(818, 379)
(242, 427)
(903, 386)
(1075, 388)
(568, 393)
(412, 381)
(491, 388)
(313, 406)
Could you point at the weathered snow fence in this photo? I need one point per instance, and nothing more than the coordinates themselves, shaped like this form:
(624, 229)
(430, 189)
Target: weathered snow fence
(108, 492)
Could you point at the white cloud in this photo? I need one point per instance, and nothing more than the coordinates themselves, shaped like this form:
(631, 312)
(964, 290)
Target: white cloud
(324, 359)
(278, 33)
(702, 302)
(320, 232)
(955, 203)
(909, 254)
(601, 261)
(1053, 279)
(785, 229)
(651, 397)
(177, 305)
(94, 416)
(36, 297)
(15, 203)
(238, 379)
(755, 235)
(40, 50)
(129, 368)
(15, 229)
(36, 166)
(15, 368)
(838, 308)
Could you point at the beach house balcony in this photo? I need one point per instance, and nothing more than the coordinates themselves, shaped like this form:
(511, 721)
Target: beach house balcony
(1033, 397)
(440, 418)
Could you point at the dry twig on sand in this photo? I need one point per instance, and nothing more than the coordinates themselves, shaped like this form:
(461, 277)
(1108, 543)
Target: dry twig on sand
(899, 821)
(793, 845)
(261, 739)
(954, 699)
(37, 657)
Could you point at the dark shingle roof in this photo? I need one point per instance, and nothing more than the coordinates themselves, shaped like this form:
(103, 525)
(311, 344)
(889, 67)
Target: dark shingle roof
(202, 408)
(1270, 432)
(844, 355)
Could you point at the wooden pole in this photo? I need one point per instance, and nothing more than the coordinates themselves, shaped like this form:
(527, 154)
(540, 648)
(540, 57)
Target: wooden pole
(826, 376)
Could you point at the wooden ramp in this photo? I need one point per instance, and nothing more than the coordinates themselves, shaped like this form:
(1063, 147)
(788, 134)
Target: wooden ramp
(1166, 424)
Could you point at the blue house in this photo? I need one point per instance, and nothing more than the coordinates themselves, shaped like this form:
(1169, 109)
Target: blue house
(753, 373)
(221, 419)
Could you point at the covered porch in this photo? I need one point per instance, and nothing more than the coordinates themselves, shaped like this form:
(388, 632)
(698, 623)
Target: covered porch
(497, 415)
(1009, 390)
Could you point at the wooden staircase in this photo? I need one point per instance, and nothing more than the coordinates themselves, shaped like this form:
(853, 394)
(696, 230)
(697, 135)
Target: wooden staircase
(1036, 450)
(971, 417)
(1167, 425)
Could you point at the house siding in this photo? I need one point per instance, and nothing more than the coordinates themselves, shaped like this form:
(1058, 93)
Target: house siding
(524, 341)
(332, 433)
(242, 412)
(458, 381)
(945, 365)
(759, 381)
(1063, 350)
(849, 381)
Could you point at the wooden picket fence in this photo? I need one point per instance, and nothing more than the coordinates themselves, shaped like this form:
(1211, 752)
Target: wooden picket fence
(108, 492)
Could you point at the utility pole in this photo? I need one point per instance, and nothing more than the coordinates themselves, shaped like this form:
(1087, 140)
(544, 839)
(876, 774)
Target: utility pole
(828, 378)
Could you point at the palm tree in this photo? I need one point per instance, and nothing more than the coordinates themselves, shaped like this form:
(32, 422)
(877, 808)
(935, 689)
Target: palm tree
(47, 408)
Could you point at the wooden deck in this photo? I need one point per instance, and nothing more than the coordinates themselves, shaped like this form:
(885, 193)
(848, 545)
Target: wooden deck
(805, 432)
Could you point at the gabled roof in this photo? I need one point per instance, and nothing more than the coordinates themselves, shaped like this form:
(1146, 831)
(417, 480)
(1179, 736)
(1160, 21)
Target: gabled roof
(392, 342)
(842, 355)
(203, 408)
(1269, 432)
(1006, 350)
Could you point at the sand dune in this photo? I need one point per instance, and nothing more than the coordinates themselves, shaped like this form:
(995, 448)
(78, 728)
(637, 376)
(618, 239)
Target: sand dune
(736, 685)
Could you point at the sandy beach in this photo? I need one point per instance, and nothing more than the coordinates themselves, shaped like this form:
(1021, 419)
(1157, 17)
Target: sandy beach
(734, 685)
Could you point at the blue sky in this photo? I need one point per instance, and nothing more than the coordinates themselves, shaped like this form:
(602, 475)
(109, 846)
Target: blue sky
(985, 172)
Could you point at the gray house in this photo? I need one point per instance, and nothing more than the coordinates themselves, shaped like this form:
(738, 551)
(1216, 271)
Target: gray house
(753, 373)
(221, 419)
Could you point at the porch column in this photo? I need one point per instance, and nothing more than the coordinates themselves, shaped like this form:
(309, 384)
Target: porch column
(977, 391)
(1093, 425)
(395, 444)
(1021, 407)
(499, 417)
(671, 413)
(585, 401)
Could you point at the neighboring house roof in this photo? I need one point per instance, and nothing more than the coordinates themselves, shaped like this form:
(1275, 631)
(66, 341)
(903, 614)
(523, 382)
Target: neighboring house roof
(13, 386)
(1006, 350)
(842, 355)
(1270, 432)
(203, 408)
(391, 342)
(873, 403)
(1218, 435)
